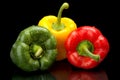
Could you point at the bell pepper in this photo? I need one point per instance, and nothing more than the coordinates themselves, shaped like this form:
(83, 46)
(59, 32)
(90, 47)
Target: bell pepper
(60, 28)
(86, 47)
(35, 48)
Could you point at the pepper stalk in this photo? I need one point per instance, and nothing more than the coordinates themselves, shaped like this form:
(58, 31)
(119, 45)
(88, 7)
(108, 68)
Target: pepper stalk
(37, 50)
(85, 48)
(58, 25)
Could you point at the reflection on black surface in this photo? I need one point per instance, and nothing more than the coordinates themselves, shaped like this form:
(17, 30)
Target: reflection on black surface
(88, 75)
(44, 76)
(62, 71)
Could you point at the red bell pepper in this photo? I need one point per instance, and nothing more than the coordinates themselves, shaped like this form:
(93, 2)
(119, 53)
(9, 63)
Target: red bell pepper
(86, 47)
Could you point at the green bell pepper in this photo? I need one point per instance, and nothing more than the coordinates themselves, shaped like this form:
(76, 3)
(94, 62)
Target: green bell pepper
(34, 48)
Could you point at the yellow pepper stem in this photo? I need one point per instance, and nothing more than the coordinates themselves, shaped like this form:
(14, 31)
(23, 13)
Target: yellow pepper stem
(64, 6)
(58, 25)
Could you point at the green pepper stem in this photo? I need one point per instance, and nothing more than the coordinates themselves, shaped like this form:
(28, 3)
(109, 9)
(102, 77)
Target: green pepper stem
(64, 6)
(85, 48)
(37, 51)
(58, 25)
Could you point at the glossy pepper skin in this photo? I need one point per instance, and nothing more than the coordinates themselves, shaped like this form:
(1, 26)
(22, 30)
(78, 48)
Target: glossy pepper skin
(35, 48)
(60, 28)
(86, 47)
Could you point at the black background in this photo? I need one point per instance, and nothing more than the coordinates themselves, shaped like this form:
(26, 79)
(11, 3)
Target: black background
(17, 15)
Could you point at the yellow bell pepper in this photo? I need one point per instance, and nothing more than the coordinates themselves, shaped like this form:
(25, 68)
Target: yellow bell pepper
(60, 28)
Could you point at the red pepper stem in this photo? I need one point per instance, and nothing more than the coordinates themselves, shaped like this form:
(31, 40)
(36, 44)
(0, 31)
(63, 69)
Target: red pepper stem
(91, 55)
(85, 48)
(58, 25)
